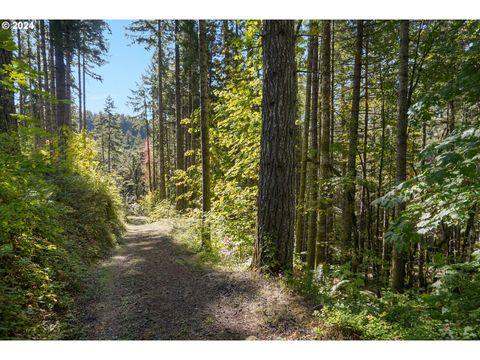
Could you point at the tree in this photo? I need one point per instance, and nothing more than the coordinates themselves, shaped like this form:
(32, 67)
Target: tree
(58, 29)
(312, 166)
(151, 34)
(325, 166)
(7, 105)
(273, 251)
(180, 201)
(398, 261)
(302, 201)
(140, 103)
(90, 43)
(161, 126)
(46, 83)
(349, 219)
(112, 131)
(204, 115)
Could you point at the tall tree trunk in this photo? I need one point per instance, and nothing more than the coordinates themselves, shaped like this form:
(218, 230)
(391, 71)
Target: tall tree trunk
(52, 77)
(60, 85)
(8, 123)
(45, 70)
(180, 202)
(331, 217)
(31, 97)
(273, 250)
(378, 238)
(312, 167)
(68, 72)
(422, 249)
(161, 126)
(148, 156)
(204, 114)
(349, 219)
(21, 95)
(325, 165)
(154, 166)
(68, 88)
(364, 226)
(168, 157)
(301, 201)
(39, 86)
(398, 257)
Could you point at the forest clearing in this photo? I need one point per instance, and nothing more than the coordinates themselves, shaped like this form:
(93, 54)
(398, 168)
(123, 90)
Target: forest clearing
(240, 179)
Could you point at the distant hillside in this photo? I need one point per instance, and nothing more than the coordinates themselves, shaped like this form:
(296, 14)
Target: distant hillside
(125, 124)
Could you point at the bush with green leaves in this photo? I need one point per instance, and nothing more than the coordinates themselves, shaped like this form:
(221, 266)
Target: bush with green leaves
(450, 310)
(235, 153)
(56, 217)
(155, 208)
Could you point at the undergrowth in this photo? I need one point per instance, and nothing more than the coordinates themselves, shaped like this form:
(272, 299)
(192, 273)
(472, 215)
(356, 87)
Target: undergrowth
(450, 310)
(230, 243)
(57, 216)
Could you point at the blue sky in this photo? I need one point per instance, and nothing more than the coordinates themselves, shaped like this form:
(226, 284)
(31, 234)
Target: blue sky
(126, 63)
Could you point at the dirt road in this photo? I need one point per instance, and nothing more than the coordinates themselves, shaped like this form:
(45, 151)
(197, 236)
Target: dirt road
(149, 289)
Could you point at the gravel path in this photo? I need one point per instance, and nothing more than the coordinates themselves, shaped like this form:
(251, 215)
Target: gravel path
(149, 289)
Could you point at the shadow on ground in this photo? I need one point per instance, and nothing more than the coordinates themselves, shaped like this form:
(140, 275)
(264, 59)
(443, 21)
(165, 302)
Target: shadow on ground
(149, 289)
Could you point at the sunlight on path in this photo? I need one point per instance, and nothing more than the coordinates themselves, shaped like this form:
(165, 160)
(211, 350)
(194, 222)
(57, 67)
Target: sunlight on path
(149, 290)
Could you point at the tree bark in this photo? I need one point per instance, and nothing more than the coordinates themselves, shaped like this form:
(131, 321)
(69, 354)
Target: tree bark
(39, 86)
(60, 84)
(148, 156)
(52, 77)
(301, 202)
(273, 250)
(398, 257)
(154, 163)
(378, 218)
(8, 123)
(325, 165)
(21, 95)
(161, 126)
(65, 45)
(204, 135)
(365, 215)
(349, 219)
(180, 202)
(46, 84)
(68, 88)
(313, 161)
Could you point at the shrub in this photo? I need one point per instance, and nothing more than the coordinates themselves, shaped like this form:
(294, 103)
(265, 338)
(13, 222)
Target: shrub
(55, 218)
(450, 310)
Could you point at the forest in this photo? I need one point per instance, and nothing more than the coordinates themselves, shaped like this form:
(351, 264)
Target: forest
(275, 179)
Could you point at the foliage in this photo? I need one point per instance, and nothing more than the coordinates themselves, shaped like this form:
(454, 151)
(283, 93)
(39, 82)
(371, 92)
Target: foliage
(155, 208)
(447, 190)
(235, 153)
(109, 136)
(235, 143)
(449, 311)
(54, 220)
